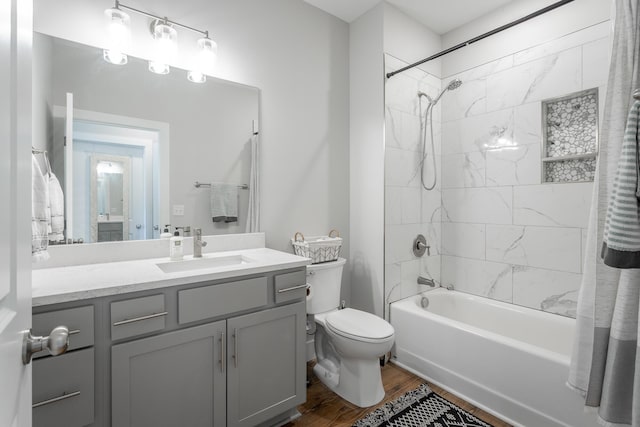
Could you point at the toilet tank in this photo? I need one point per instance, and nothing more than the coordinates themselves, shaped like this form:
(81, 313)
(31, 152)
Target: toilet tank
(325, 281)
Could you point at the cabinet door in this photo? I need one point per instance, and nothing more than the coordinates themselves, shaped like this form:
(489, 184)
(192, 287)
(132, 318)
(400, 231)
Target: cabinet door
(174, 379)
(267, 374)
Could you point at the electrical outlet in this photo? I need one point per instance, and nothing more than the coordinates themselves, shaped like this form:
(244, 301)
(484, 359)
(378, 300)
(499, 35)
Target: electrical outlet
(178, 210)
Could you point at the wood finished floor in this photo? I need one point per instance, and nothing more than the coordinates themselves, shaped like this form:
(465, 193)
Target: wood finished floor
(324, 408)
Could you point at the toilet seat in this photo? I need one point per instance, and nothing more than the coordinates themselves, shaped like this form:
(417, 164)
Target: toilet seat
(359, 326)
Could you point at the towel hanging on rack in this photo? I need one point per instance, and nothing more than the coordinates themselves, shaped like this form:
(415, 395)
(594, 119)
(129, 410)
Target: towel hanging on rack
(39, 212)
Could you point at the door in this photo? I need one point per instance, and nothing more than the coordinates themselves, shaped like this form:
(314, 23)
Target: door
(174, 379)
(68, 169)
(15, 215)
(267, 359)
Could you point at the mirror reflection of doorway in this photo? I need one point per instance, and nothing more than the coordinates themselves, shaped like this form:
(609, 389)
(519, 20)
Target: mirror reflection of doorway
(113, 182)
(110, 198)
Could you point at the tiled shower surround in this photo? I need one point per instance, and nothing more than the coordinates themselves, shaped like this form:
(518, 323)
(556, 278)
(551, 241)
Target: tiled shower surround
(495, 227)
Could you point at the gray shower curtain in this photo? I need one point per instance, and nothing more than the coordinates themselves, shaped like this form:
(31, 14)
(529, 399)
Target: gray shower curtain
(605, 365)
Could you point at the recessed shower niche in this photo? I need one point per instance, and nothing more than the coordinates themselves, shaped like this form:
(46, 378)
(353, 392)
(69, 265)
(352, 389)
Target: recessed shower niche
(570, 137)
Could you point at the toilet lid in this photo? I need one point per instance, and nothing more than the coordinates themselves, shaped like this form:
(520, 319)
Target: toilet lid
(357, 324)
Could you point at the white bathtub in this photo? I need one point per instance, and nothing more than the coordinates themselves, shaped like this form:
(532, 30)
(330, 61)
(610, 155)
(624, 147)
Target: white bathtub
(508, 360)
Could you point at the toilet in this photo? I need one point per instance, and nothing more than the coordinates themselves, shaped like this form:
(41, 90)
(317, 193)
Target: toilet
(348, 343)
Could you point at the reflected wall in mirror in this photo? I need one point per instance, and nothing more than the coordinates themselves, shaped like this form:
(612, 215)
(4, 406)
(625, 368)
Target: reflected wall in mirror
(173, 132)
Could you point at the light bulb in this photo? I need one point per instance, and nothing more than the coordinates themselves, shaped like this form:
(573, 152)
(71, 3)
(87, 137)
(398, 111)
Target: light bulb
(113, 57)
(204, 61)
(119, 36)
(165, 47)
(207, 55)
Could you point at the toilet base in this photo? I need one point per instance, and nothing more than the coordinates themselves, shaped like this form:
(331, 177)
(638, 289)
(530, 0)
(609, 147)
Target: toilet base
(357, 381)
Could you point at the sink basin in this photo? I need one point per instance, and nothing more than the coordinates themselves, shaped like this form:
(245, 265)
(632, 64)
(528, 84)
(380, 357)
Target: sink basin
(210, 262)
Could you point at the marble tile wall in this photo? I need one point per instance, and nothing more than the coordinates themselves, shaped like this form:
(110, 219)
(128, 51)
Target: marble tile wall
(505, 233)
(409, 209)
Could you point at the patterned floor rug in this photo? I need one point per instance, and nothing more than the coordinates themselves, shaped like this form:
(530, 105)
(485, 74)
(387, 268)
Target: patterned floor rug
(420, 408)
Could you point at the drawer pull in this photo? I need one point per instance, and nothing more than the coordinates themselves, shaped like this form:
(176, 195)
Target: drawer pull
(293, 288)
(56, 399)
(138, 319)
(74, 331)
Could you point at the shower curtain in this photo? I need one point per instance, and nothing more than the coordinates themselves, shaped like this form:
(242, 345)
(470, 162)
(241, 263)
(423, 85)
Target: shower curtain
(605, 365)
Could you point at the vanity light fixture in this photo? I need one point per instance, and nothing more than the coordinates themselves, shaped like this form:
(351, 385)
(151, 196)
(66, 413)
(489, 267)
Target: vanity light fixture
(206, 59)
(166, 43)
(119, 35)
(165, 38)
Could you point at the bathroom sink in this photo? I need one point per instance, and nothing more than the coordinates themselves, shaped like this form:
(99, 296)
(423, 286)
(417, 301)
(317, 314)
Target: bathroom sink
(210, 262)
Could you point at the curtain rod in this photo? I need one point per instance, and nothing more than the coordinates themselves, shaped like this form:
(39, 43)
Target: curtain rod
(483, 36)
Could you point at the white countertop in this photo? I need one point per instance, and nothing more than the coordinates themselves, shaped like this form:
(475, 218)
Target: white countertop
(72, 283)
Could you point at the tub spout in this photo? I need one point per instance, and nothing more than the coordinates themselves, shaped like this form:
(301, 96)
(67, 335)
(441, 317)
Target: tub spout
(426, 281)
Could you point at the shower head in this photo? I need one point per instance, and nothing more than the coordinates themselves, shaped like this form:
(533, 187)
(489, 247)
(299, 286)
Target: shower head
(453, 84)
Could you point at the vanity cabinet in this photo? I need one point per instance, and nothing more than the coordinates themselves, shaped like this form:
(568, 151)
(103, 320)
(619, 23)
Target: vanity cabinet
(266, 364)
(220, 353)
(171, 379)
(110, 231)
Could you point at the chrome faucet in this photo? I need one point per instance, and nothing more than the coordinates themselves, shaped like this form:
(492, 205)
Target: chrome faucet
(426, 281)
(198, 243)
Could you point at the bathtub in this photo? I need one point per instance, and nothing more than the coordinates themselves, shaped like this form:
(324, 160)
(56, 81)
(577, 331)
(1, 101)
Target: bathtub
(508, 360)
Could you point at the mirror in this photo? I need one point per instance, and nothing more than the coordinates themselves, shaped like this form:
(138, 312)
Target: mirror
(172, 133)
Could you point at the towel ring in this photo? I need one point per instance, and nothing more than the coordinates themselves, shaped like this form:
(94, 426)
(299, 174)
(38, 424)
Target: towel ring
(336, 231)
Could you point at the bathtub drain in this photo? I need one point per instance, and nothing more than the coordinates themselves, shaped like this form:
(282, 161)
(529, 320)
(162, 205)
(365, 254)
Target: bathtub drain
(424, 302)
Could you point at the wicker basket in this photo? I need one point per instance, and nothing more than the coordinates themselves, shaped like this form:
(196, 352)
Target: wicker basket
(319, 248)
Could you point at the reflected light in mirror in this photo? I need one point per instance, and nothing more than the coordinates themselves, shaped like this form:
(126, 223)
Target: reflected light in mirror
(196, 76)
(108, 167)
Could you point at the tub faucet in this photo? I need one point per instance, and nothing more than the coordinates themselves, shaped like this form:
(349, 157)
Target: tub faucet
(426, 281)
(198, 243)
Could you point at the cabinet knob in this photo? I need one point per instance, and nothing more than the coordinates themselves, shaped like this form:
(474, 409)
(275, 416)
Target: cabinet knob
(56, 343)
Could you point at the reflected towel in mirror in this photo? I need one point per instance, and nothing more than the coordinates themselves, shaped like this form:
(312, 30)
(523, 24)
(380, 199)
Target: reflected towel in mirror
(224, 202)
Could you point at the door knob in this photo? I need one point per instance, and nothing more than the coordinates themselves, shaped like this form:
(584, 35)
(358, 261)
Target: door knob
(56, 343)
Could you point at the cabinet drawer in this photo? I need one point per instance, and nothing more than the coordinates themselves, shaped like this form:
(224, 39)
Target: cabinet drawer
(109, 226)
(217, 300)
(63, 390)
(78, 320)
(290, 286)
(137, 316)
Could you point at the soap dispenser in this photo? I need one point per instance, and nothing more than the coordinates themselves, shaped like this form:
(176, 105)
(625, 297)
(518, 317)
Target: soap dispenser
(165, 232)
(176, 251)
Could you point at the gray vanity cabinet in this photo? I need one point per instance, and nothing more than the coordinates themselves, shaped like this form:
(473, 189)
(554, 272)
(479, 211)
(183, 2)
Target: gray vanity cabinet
(228, 352)
(171, 379)
(266, 374)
